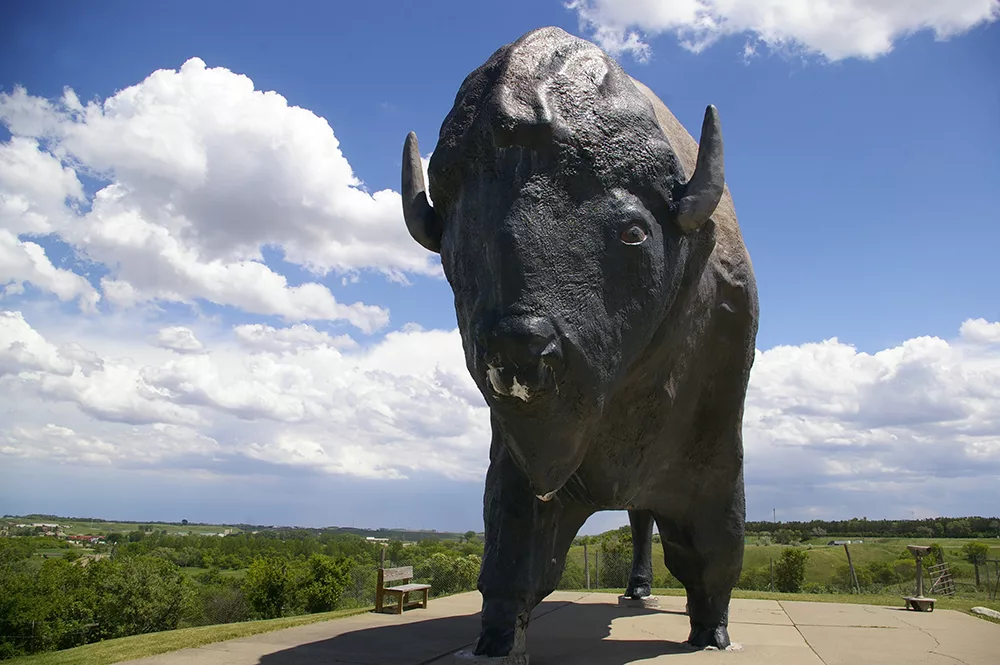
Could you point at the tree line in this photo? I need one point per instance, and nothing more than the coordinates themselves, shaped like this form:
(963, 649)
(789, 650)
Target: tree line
(936, 527)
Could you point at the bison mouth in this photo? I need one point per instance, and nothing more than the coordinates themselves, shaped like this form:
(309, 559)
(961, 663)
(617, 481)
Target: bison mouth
(547, 444)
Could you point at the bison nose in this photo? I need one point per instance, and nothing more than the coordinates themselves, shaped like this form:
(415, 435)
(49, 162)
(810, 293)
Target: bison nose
(522, 354)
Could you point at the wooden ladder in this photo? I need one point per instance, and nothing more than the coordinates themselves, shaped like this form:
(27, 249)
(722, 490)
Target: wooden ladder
(941, 580)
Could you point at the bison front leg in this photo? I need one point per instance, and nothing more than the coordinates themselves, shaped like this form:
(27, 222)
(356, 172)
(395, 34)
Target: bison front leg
(526, 544)
(704, 550)
(640, 583)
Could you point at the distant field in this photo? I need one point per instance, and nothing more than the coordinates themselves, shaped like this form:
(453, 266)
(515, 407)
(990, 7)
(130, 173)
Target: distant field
(73, 527)
(824, 560)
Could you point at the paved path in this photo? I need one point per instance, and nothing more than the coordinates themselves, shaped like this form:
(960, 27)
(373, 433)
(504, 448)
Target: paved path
(590, 629)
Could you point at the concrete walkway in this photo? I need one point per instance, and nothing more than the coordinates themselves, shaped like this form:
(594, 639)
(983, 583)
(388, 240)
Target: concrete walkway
(590, 629)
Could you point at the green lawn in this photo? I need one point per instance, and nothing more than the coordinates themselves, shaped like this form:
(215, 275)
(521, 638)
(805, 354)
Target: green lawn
(191, 571)
(824, 560)
(142, 646)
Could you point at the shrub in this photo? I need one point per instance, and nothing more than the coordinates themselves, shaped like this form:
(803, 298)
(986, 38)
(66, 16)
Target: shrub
(266, 586)
(755, 579)
(325, 582)
(573, 576)
(790, 570)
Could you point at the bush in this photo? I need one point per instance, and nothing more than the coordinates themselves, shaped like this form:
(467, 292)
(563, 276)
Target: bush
(813, 587)
(222, 604)
(790, 570)
(134, 595)
(325, 584)
(755, 579)
(573, 576)
(267, 587)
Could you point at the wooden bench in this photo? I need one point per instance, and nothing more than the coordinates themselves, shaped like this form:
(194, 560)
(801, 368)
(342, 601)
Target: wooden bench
(403, 591)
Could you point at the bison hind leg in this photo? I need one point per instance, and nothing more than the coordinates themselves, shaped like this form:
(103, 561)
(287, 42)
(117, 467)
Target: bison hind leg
(640, 583)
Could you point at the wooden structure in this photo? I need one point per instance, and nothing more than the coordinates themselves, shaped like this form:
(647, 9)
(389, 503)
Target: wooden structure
(941, 579)
(401, 591)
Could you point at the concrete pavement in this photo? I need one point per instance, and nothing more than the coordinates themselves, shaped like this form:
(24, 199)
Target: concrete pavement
(590, 629)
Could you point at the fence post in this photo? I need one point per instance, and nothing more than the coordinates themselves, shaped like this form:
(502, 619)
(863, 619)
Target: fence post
(597, 567)
(770, 562)
(850, 564)
(586, 564)
(381, 563)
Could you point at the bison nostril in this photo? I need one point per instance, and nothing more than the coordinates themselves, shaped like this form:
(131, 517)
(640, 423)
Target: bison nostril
(522, 354)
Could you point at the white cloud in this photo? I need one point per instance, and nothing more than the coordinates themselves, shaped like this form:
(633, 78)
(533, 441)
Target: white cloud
(821, 416)
(842, 422)
(404, 405)
(835, 29)
(179, 339)
(259, 337)
(25, 262)
(201, 173)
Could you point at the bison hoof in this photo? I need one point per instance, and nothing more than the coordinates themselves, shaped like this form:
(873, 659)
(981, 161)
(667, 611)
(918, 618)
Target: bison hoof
(709, 636)
(638, 590)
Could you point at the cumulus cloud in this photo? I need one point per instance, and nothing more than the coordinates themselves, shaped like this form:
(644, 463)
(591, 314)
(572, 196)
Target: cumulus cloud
(820, 415)
(179, 339)
(26, 262)
(199, 172)
(924, 413)
(834, 29)
(293, 397)
(260, 337)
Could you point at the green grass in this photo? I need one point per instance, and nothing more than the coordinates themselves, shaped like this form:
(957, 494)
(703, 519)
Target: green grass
(824, 560)
(191, 571)
(151, 644)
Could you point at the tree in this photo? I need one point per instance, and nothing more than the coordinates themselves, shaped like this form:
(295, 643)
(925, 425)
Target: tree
(184, 522)
(976, 553)
(135, 595)
(959, 528)
(790, 570)
(469, 536)
(325, 583)
(266, 586)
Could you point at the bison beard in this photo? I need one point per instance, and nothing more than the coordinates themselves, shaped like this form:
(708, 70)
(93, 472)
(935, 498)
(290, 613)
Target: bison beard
(608, 313)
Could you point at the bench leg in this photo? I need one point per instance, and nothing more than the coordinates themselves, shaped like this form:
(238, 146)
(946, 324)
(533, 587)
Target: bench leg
(402, 601)
(425, 598)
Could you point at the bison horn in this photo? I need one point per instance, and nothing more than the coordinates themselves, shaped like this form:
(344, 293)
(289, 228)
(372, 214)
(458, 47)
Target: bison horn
(704, 191)
(421, 220)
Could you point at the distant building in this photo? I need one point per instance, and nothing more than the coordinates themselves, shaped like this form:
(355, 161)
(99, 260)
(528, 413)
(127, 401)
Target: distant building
(845, 542)
(371, 539)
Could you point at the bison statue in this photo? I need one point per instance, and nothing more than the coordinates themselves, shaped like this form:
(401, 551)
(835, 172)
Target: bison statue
(608, 313)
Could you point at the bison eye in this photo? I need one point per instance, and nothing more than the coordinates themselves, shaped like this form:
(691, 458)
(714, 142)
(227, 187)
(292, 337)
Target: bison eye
(633, 235)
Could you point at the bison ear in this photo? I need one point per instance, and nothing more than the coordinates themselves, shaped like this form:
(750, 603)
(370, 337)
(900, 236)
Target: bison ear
(703, 192)
(421, 220)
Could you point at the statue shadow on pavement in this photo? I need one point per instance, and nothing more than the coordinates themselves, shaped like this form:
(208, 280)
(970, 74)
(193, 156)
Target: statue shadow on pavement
(558, 632)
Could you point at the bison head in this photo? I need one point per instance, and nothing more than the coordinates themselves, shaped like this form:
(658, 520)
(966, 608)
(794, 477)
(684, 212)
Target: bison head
(564, 224)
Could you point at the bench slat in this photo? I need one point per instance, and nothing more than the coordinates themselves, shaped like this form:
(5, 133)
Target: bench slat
(408, 588)
(403, 573)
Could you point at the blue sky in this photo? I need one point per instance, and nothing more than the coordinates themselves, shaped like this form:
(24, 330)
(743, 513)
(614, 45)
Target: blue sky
(212, 307)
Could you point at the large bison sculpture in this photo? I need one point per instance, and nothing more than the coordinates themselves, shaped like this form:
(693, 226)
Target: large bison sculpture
(608, 312)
